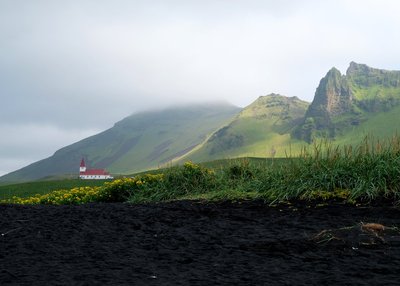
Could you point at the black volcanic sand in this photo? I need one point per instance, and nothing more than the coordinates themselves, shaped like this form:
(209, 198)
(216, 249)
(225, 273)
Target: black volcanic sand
(194, 243)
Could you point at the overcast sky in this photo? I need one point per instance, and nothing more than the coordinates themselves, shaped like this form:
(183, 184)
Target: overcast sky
(70, 69)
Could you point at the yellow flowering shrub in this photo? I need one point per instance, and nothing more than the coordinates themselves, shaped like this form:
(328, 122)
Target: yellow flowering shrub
(326, 195)
(77, 195)
(192, 169)
(115, 191)
(121, 189)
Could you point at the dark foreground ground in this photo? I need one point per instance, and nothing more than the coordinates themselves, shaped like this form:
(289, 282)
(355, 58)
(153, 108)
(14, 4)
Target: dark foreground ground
(192, 243)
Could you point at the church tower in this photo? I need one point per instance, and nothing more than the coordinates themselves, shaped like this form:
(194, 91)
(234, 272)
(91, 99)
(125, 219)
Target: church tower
(82, 167)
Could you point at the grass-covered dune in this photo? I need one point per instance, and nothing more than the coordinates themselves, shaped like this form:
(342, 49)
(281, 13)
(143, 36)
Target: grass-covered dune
(362, 173)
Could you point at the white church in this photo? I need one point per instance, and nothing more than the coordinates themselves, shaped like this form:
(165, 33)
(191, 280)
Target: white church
(93, 174)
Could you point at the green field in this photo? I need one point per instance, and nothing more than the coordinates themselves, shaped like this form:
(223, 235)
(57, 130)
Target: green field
(43, 187)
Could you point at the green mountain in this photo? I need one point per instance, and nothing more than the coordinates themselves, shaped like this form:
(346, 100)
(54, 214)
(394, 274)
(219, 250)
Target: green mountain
(261, 129)
(139, 142)
(345, 109)
(343, 102)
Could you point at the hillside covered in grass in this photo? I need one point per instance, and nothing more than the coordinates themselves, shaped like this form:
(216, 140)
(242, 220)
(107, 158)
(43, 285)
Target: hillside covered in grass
(261, 129)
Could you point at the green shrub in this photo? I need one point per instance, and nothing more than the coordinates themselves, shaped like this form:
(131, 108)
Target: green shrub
(177, 182)
(120, 190)
(240, 172)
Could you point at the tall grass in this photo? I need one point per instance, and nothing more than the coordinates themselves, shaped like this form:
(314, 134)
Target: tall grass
(178, 182)
(367, 171)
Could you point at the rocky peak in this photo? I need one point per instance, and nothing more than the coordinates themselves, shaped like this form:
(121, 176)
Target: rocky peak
(341, 101)
(364, 76)
(332, 96)
(355, 69)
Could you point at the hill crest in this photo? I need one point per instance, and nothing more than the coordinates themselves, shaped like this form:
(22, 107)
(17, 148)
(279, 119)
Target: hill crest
(259, 128)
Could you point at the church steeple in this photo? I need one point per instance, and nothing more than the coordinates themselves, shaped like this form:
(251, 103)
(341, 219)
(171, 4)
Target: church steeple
(82, 167)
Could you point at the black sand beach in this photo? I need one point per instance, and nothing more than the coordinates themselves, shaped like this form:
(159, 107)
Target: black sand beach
(195, 243)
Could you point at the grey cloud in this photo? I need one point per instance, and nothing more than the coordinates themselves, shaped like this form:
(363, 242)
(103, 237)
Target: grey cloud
(26, 143)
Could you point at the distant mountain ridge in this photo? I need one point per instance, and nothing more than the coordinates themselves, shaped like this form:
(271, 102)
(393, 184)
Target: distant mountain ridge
(345, 108)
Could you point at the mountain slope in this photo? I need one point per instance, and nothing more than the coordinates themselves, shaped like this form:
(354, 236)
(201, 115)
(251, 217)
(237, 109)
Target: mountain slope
(379, 125)
(261, 129)
(136, 143)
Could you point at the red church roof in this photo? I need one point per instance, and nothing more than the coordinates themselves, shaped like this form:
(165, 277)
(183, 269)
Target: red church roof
(92, 172)
(95, 172)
